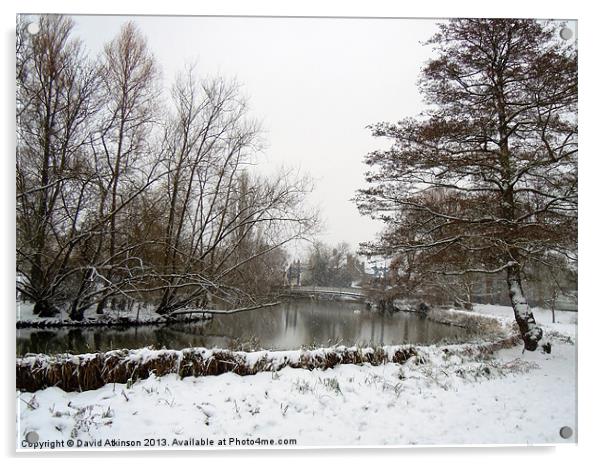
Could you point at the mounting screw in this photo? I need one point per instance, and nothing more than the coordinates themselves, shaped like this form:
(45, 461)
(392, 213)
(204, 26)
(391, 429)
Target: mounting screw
(32, 437)
(566, 432)
(566, 33)
(33, 28)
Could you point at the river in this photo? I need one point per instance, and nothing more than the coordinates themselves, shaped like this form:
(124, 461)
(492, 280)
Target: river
(291, 325)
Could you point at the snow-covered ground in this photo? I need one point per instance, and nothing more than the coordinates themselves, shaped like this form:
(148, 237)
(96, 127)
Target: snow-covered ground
(566, 321)
(140, 314)
(511, 398)
(25, 313)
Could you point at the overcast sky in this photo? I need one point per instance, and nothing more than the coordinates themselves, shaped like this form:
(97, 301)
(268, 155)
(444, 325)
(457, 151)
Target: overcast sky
(314, 83)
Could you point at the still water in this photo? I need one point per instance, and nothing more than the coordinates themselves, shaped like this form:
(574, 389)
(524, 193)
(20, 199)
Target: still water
(290, 325)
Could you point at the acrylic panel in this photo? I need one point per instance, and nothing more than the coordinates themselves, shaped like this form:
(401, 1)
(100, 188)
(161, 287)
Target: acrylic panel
(285, 232)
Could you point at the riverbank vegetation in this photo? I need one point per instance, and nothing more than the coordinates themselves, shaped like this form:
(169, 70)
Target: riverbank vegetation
(91, 371)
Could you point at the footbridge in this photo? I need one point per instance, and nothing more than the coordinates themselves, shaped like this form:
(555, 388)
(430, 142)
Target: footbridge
(309, 291)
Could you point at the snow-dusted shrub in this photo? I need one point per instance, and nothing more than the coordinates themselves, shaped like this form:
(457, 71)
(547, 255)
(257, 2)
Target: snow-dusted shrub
(91, 371)
(485, 326)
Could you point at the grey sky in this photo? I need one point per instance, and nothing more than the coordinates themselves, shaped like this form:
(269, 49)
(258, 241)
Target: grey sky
(314, 83)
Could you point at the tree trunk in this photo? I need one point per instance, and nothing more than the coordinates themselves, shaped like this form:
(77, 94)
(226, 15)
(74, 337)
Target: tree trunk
(554, 296)
(44, 309)
(77, 313)
(164, 307)
(529, 330)
(100, 307)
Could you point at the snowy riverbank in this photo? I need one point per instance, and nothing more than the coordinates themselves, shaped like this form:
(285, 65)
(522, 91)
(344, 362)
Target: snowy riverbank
(143, 315)
(441, 398)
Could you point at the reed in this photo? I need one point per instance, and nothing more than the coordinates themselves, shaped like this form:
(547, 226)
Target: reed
(92, 371)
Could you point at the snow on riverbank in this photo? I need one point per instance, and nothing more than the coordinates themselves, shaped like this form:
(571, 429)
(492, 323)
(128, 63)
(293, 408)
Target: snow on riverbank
(510, 398)
(566, 321)
(138, 315)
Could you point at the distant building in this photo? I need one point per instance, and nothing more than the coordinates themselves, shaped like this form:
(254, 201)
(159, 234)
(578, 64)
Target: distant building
(293, 274)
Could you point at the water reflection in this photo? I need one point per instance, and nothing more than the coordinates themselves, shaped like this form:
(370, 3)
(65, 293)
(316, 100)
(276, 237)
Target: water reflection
(290, 325)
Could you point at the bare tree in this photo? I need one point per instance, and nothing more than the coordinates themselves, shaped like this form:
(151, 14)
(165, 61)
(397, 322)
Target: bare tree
(332, 265)
(485, 181)
(56, 100)
(129, 82)
(214, 206)
(117, 199)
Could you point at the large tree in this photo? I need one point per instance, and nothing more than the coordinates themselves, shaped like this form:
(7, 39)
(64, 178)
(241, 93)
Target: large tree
(220, 221)
(130, 93)
(485, 180)
(56, 102)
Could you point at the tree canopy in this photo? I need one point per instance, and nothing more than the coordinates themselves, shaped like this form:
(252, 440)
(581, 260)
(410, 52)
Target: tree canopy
(485, 179)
